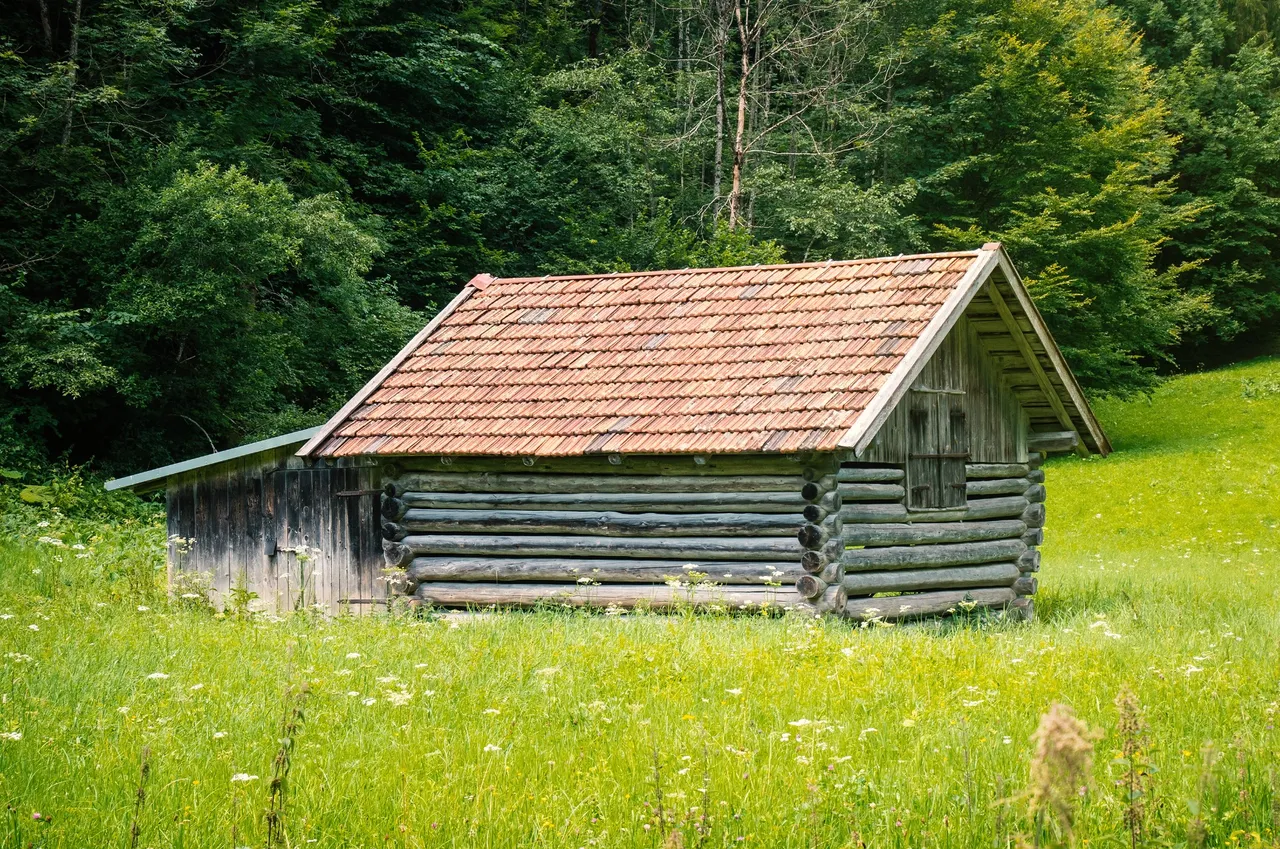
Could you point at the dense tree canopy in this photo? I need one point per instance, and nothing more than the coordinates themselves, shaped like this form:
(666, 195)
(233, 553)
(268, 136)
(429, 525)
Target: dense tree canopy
(219, 218)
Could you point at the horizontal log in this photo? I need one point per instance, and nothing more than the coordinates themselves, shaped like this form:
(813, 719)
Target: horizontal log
(1029, 560)
(1053, 442)
(996, 486)
(421, 520)
(658, 596)
(602, 570)
(1034, 515)
(818, 511)
(979, 509)
(870, 474)
(1035, 493)
(1035, 459)
(620, 502)
(1034, 536)
(832, 600)
(493, 482)
(925, 556)
(910, 580)
(927, 604)
(987, 471)
(1005, 507)
(693, 549)
(928, 533)
(1035, 475)
(872, 513)
(871, 492)
(1026, 585)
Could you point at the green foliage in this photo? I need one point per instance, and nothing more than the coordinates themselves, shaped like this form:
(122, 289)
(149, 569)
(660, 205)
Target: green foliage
(220, 219)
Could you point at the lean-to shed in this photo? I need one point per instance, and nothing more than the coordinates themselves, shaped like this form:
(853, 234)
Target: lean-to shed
(860, 438)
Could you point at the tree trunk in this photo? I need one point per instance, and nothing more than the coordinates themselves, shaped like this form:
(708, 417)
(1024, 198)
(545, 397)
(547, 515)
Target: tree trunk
(739, 139)
(72, 54)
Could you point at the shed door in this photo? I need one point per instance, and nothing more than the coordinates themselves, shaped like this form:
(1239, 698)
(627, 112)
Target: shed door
(938, 446)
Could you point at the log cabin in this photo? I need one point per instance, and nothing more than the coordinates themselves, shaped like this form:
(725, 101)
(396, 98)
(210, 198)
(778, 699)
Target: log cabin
(860, 438)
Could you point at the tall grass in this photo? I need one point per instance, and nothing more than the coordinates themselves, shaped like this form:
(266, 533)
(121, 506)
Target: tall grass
(571, 730)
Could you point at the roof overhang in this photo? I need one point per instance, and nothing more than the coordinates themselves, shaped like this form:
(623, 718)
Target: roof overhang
(155, 478)
(992, 257)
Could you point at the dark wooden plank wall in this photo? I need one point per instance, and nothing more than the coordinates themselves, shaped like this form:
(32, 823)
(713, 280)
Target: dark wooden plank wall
(293, 535)
(996, 423)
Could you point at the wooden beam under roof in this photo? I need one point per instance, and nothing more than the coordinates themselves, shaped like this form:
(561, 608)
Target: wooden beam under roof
(1037, 370)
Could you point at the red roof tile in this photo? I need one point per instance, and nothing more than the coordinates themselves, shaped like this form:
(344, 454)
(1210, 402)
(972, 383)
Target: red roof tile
(762, 359)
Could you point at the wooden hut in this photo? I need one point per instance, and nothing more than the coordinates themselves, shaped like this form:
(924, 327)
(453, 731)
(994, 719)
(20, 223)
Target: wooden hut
(860, 438)
(857, 438)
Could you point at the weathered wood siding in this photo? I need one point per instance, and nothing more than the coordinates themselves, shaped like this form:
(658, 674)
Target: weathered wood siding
(295, 536)
(996, 424)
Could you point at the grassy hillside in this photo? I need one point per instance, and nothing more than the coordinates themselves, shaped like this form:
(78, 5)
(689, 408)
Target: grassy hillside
(569, 730)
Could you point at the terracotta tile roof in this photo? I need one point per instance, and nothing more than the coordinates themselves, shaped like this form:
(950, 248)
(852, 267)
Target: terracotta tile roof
(761, 359)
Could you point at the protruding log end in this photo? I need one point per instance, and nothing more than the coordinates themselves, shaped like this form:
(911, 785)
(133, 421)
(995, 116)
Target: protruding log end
(1029, 561)
(1035, 459)
(810, 586)
(1035, 493)
(1035, 475)
(1034, 537)
(815, 513)
(815, 490)
(393, 489)
(393, 508)
(814, 536)
(1021, 609)
(1026, 585)
(392, 531)
(1034, 516)
(396, 555)
(832, 601)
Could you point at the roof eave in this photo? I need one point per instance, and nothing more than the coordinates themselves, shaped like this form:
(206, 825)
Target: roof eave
(154, 479)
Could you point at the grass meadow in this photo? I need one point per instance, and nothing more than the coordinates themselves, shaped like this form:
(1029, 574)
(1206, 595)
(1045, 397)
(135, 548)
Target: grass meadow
(1161, 574)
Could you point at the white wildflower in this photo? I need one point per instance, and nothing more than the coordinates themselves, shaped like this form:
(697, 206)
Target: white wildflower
(492, 748)
(492, 711)
(974, 703)
(735, 691)
(367, 702)
(355, 655)
(197, 687)
(243, 776)
(12, 736)
(33, 627)
(800, 723)
(142, 608)
(157, 676)
(399, 698)
(218, 735)
(78, 547)
(42, 525)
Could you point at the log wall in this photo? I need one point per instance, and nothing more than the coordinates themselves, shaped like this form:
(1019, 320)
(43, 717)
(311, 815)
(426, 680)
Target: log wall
(896, 563)
(823, 536)
(655, 533)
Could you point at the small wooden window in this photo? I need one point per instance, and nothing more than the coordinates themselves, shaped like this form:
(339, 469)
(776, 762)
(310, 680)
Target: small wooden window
(938, 446)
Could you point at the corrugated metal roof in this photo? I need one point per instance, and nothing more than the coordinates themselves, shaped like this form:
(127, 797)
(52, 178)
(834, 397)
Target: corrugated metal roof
(157, 476)
(723, 360)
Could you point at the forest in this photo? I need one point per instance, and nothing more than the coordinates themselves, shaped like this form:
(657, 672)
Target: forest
(218, 219)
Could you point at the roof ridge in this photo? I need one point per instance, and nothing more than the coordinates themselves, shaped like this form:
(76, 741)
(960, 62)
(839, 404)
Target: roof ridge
(827, 263)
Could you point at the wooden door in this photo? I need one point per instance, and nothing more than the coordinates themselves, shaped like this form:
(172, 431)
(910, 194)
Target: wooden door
(938, 446)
